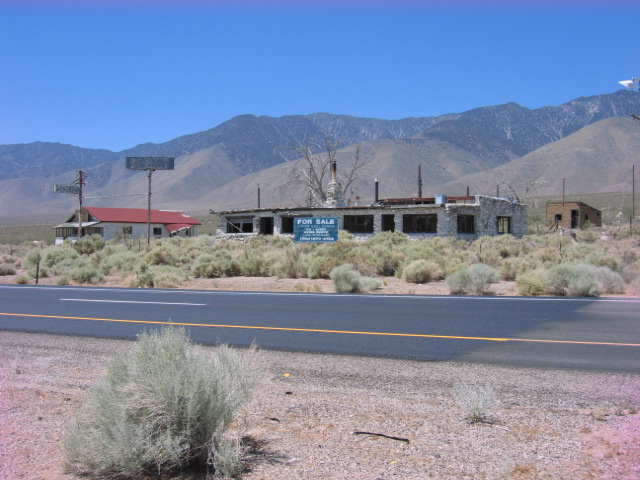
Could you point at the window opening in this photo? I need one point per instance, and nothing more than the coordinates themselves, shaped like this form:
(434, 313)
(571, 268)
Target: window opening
(358, 223)
(287, 225)
(240, 225)
(504, 225)
(466, 224)
(266, 226)
(388, 223)
(423, 223)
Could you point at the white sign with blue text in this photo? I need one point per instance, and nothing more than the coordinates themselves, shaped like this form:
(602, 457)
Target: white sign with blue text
(316, 229)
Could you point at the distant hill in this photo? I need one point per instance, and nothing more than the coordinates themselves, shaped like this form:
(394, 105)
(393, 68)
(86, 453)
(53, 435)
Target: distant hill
(221, 168)
(597, 158)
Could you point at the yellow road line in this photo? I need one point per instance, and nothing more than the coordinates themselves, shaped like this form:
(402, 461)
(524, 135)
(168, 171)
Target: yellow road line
(315, 330)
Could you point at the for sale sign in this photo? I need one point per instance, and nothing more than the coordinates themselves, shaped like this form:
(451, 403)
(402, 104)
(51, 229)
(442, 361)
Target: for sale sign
(316, 229)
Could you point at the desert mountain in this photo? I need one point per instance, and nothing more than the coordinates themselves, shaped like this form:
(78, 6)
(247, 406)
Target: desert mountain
(221, 168)
(597, 158)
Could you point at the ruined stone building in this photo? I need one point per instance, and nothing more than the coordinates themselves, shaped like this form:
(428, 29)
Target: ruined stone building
(467, 216)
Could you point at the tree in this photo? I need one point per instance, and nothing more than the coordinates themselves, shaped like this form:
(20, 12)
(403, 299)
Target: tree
(311, 172)
(521, 188)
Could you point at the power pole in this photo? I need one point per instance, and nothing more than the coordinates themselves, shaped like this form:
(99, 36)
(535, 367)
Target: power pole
(74, 188)
(80, 182)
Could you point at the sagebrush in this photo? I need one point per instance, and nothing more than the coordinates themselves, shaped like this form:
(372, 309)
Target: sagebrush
(163, 406)
(540, 264)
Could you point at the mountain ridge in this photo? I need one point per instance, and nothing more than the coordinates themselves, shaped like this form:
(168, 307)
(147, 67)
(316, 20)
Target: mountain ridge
(450, 147)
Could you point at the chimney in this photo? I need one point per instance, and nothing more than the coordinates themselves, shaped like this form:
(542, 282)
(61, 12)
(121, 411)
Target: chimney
(376, 190)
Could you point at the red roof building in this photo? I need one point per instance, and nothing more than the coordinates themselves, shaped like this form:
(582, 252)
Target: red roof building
(127, 223)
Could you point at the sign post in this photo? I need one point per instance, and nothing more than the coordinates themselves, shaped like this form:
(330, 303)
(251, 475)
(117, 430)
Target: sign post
(75, 189)
(149, 164)
(316, 229)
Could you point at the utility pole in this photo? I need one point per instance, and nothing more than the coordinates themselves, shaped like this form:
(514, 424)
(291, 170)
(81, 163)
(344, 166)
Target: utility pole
(74, 188)
(80, 182)
(149, 164)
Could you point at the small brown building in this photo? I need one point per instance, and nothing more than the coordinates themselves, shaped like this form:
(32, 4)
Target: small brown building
(570, 215)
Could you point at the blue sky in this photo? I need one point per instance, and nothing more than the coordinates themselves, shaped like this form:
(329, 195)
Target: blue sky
(114, 74)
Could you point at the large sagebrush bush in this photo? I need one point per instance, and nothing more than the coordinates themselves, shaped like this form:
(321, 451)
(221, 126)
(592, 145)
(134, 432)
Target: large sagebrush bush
(86, 274)
(582, 280)
(474, 280)
(54, 255)
(163, 406)
(7, 269)
(531, 283)
(346, 279)
(220, 263)
(90, 244)
(422, 271)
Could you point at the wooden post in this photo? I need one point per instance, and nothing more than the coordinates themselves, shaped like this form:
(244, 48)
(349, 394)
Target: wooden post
(150, 171)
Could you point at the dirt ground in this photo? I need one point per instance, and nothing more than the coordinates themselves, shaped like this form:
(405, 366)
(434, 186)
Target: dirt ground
(304, 419)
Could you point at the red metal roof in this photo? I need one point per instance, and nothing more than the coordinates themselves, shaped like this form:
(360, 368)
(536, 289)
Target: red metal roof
(139, 215)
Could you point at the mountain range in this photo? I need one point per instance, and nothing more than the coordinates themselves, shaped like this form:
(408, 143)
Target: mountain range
(590, 141)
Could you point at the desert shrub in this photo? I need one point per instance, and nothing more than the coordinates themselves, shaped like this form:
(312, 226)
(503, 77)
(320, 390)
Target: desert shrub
(564, 278)
(163, 406)
(346, 279)
(253, 263)
(144, 277)
(388, 239)
(511, 267)
(7, 269)
(421, 271)
(32, 257)
(326, 257)
(161, 255)
(89, 245)
(582, 280)
(608, 281)
(474, 280)
(294, 264)
(604, 260)
(54, 255)
(21, 279)
(67, 265)
(474, 399)
(531, 283)
(587, 235)
(383, 259)
(123, 261)
(162, 276)
(86, 274)
(320, 266)
(217, 264)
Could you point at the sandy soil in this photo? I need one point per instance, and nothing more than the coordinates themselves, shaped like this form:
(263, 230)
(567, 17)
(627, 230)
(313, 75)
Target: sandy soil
(543, 424)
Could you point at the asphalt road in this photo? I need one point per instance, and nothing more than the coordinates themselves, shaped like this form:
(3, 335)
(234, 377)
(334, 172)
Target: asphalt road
(568, 333)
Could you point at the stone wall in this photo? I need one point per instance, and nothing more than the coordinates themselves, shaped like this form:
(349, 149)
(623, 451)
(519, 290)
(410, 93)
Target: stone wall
(486, 210)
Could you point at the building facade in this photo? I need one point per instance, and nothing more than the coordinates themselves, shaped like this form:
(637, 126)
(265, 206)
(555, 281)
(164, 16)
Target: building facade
(570, 215)
(123, 223)
(468, 216)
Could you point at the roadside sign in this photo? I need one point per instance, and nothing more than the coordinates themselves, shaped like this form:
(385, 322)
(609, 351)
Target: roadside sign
(316, 229)
(150, 163)
(73, 189)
